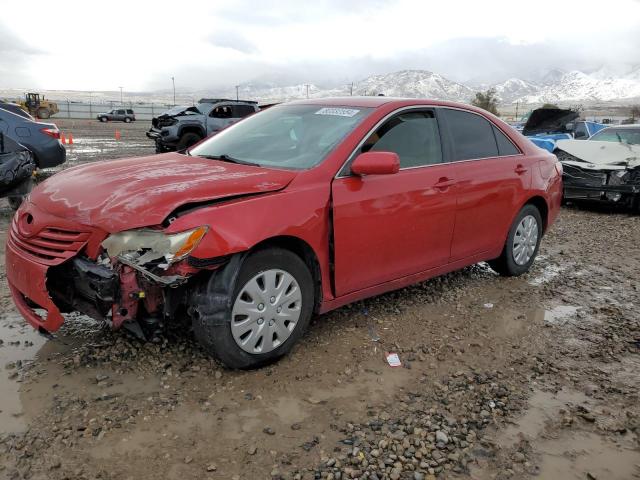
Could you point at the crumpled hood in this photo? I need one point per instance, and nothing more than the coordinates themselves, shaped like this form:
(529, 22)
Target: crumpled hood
(137, 192)
(549, 120)
(602, 155)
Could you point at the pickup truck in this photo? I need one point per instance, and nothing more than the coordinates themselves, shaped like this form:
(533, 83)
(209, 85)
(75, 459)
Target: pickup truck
(182, 127)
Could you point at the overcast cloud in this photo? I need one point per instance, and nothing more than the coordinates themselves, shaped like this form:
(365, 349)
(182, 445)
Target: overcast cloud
(139, 45)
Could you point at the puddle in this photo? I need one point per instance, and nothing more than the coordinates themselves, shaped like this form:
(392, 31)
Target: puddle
(575, 456)
(548, 273)
(559, 315)
(20, 344)
(543, 407)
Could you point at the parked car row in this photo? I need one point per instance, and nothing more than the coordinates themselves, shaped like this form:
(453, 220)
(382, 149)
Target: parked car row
(20, 133)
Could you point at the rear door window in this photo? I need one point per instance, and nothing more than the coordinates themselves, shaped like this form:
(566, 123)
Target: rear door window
(130, 112)
(471, 135)
(241, 111)
(505, 146)
(414, 136)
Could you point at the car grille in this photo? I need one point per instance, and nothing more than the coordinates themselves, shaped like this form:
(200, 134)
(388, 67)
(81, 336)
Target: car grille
(579, 177)
(51, 246)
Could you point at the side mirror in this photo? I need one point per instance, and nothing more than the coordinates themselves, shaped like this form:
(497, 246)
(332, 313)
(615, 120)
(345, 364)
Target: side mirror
(376, 163)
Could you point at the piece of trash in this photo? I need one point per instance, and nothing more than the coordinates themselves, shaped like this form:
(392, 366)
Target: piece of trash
(488, 305)
(393, 360)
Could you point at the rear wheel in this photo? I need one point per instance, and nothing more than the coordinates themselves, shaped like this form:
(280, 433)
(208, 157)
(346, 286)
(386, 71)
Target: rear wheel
(269, 310)
(127, 120)
(188, 139)
(523, 242)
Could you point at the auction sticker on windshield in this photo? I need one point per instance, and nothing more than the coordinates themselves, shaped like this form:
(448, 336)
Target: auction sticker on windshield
(339, 112)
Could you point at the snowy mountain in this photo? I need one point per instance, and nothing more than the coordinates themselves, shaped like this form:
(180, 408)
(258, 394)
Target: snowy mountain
(515, 88)
(579, 86)
(414, 83)
(555, 86)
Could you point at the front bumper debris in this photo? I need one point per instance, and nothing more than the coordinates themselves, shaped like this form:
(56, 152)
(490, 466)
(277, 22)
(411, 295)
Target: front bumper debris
(57, 270)
(601, 185)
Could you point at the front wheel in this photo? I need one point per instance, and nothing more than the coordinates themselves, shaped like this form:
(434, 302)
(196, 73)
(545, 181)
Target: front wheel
(103, 119)
(188, 139)
(523, 242)
(269, 310)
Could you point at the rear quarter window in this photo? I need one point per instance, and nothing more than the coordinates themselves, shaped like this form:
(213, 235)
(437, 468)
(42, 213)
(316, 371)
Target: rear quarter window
(471, 135)
(505, 146)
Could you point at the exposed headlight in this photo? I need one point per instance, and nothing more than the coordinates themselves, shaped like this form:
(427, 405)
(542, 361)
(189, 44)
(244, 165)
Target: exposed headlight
(155, 244)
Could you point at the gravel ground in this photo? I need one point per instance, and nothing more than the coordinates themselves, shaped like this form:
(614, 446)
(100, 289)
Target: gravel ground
(532, 377)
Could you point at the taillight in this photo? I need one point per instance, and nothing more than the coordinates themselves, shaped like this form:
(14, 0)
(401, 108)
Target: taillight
(52, 132)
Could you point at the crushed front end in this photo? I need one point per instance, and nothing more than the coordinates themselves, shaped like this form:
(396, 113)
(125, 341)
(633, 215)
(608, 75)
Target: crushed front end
(601, 183)
(133, 279)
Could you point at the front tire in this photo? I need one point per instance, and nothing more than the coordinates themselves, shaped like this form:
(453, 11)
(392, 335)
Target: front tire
(266, 314)
(188, 139)
(103, 119)
(44, 113)
(522, 245)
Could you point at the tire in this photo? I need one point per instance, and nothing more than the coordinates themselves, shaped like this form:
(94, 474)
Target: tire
(506, 264)
(43, 113)
(104, 119)
(127, 120)
(188, 139)
(214, 327)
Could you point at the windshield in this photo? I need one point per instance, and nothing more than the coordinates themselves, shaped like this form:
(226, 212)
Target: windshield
(624, 135)
(286, 136)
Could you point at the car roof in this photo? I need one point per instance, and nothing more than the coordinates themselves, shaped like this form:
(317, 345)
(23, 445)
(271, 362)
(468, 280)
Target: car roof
(376, 102)
(633, 125)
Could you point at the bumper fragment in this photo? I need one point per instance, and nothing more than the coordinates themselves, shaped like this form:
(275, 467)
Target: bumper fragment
(27, 283)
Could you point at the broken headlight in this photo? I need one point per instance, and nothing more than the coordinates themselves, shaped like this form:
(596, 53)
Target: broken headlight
(153, 244)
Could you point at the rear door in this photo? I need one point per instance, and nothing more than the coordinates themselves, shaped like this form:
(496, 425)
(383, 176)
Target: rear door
(220, 117)
(492, 175)
(390, 226)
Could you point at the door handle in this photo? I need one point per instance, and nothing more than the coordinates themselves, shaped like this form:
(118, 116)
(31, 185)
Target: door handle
(443, 183)
(521, 170)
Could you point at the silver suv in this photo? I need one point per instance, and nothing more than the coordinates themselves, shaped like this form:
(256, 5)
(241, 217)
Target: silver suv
(182, 127)
(118, 115)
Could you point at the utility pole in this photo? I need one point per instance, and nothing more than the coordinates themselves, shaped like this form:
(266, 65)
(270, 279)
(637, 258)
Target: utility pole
(351, 89)
(173, 80)
(517, 103)
(237, 94)
(307, 85)
(121, 102)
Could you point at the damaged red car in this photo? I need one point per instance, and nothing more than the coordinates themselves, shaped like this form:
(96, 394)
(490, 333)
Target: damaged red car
(291, 212)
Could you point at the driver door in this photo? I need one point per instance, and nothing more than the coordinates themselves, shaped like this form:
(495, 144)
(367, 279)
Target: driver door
(390, 226)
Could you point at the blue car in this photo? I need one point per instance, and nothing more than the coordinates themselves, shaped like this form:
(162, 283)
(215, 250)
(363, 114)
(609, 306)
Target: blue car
(545, 126)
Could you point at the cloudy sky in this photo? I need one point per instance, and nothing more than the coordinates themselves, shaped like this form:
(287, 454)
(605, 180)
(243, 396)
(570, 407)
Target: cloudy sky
(89, 45)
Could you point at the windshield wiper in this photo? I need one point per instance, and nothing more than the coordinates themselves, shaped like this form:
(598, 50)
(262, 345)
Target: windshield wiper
(227, 158)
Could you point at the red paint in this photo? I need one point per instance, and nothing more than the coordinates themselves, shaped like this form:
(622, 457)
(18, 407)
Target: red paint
(388, 230)
(376, 163)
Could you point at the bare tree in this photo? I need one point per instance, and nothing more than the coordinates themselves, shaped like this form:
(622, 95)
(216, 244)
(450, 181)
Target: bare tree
(487, 100)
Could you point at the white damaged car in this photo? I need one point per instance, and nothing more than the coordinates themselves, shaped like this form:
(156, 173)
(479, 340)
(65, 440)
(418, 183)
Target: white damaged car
(606, 167)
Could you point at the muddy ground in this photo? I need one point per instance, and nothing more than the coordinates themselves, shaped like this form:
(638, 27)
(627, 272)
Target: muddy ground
(530, 377)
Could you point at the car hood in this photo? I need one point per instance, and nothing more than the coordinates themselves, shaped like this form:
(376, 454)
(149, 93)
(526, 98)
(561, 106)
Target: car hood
(137, 192)
(601, 155)
(549, 120)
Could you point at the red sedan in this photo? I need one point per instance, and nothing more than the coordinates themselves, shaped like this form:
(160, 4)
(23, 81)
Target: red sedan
(296, 210)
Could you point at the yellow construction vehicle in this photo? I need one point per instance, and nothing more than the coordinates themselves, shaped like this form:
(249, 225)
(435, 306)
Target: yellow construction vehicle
(37, 106)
